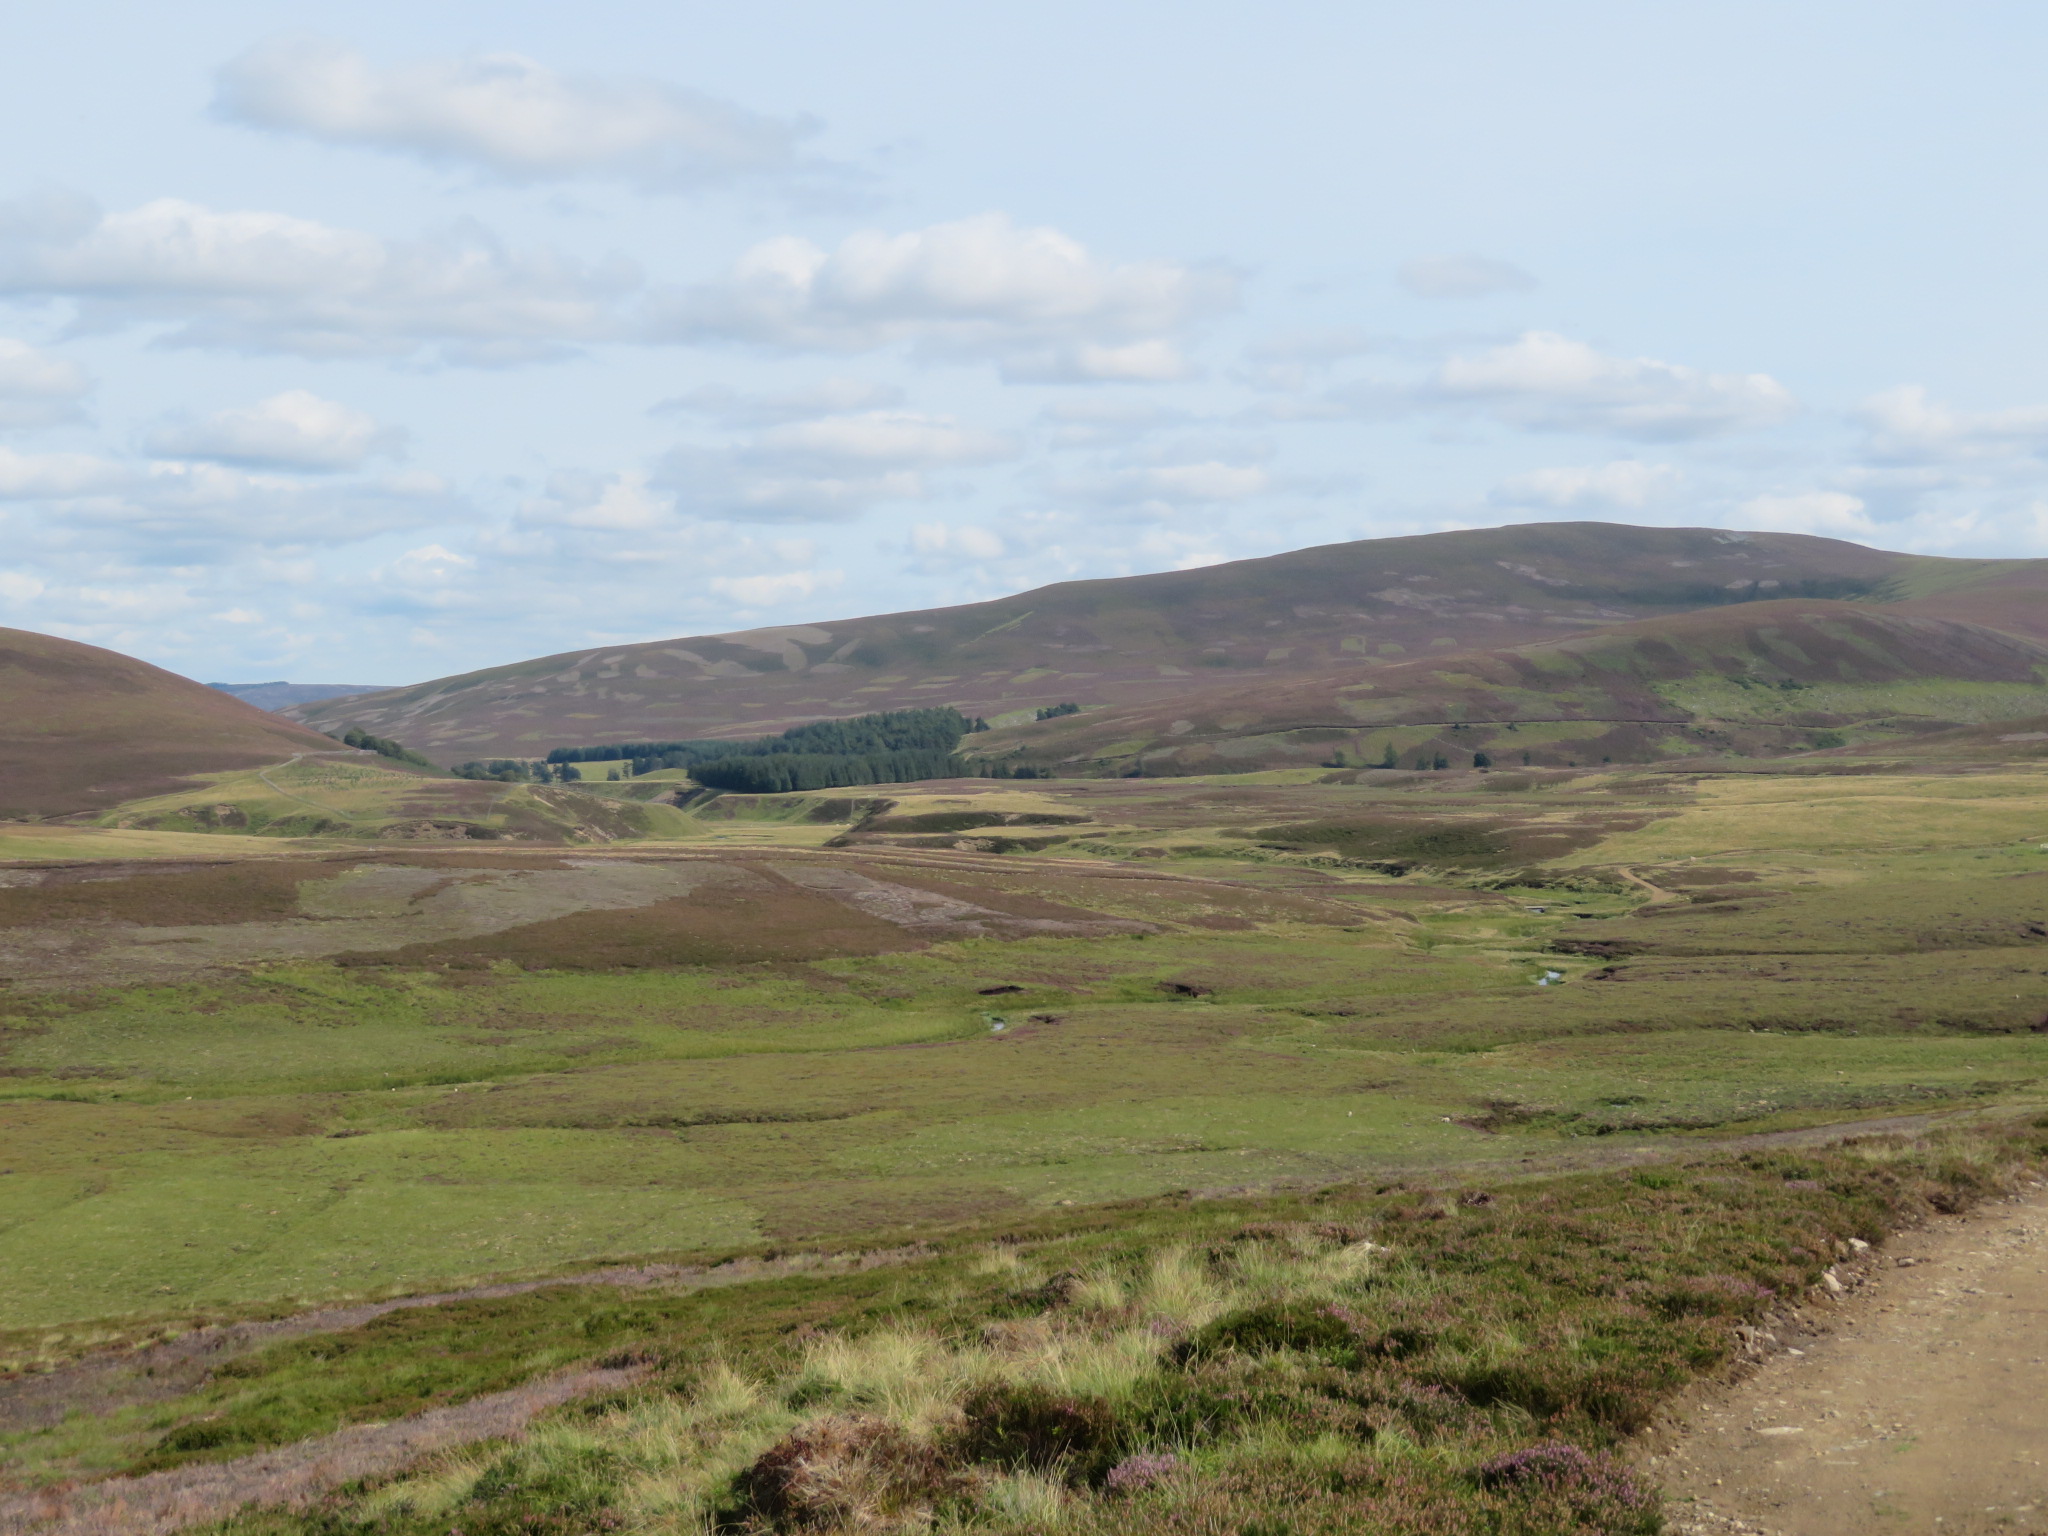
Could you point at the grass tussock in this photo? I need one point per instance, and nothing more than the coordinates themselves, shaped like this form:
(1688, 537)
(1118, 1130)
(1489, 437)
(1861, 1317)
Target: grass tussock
(1398, 1360)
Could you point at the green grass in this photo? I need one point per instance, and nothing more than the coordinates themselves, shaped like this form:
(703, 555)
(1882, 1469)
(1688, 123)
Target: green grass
(1360, 1357)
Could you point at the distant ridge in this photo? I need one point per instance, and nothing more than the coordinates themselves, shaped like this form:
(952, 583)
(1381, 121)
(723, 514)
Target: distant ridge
(1137, 640)
(276, 696)
(82, 728)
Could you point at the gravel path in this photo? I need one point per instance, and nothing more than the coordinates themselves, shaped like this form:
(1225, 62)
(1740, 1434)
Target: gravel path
(1920, 1406)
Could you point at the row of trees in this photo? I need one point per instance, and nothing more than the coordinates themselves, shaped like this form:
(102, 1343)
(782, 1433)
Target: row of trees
(383, 746)
(785, 772)
(510, 770)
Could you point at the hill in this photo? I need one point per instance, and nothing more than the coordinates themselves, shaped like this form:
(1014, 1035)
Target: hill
(87, 728)
(278, 695)
(1136, 640)
(1758, 678)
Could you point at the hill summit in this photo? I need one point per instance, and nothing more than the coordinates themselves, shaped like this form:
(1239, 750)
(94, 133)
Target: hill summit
(1138, 640)
(87, 727)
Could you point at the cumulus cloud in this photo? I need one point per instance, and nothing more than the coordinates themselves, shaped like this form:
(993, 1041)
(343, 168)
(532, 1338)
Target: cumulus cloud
(978, 286)
(42, 476)
(269, 282)
(1835, 514)
(957, 541)
(1552, 383)
(158, 512)
(880, 437)
(1155, 361)
(769, 591)
(293, 430)
(741, 408)
(1907, 426)
(828, 468)
(36, 389)
(1462, 277)
(505, 114)
(1625, 483)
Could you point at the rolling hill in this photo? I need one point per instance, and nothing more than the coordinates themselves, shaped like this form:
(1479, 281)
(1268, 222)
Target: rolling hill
(1645, 633)
(1755, 678)
(87, 728)
(1127, 640)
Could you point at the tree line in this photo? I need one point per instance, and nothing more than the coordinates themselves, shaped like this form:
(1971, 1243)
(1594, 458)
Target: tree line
(383, 746)
(889, 747)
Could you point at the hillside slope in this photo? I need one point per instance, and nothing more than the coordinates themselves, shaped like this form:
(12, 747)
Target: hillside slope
(1758, 677)
(83, 728)
(1132, 640)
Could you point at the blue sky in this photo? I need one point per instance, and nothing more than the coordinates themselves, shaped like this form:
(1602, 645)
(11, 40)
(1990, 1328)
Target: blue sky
(373, 343)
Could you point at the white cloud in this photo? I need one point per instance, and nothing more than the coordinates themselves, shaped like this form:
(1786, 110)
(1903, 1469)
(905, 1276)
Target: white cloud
(505, 113)
(829, 396)
(1551, 383)
(1833, 513)
(173, 511)
(293, 430)
(431, 565)
(42, 476)
(881, 437)
(625, 504)
(1906, 425)
(1211, 481)
(269, 282)
(1154, 361)
(965, 541)
(36, 389)
(1626, 483)
(1462, 277)
(829, 468)
(772, 591)
(980, 285)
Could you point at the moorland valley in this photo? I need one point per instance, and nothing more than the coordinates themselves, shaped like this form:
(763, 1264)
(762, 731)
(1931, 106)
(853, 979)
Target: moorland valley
(1345, 1041)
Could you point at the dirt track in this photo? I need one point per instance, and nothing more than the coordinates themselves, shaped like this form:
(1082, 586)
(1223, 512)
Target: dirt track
(293, 1474)
(1920, 1405)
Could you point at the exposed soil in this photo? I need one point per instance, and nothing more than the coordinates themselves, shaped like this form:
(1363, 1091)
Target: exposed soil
(291, 1475)
(1915, 1402)
(173, 1367)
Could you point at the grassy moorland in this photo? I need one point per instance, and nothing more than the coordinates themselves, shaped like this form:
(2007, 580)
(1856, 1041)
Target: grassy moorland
(1347, 1140)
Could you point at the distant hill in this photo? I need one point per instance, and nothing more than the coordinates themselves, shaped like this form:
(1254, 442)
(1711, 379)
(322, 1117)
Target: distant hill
(82, 728)
(1138, 640)
(276, 696)
(1756, 678)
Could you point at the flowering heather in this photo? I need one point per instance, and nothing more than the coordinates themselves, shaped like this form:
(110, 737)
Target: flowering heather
(1136, 1473)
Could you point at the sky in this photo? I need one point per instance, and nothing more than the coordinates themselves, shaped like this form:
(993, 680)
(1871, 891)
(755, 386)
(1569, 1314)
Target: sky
(370, 344)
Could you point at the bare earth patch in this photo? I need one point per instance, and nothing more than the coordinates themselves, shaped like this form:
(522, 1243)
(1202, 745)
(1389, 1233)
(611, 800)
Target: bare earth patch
(1922, 1407)
(292, 1475)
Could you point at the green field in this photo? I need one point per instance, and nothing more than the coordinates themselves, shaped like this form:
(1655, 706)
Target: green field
(234, 1087)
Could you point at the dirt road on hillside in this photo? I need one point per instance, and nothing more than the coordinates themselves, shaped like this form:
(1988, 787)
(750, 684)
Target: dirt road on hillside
(1917, 1404)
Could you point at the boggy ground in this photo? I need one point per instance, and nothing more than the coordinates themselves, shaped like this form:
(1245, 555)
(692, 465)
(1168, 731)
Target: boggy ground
(350, 1072)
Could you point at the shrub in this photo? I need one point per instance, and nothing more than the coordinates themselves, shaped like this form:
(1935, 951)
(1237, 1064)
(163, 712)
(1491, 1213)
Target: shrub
(1024, 1424)
(1323, 1331)
(849, 1470)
